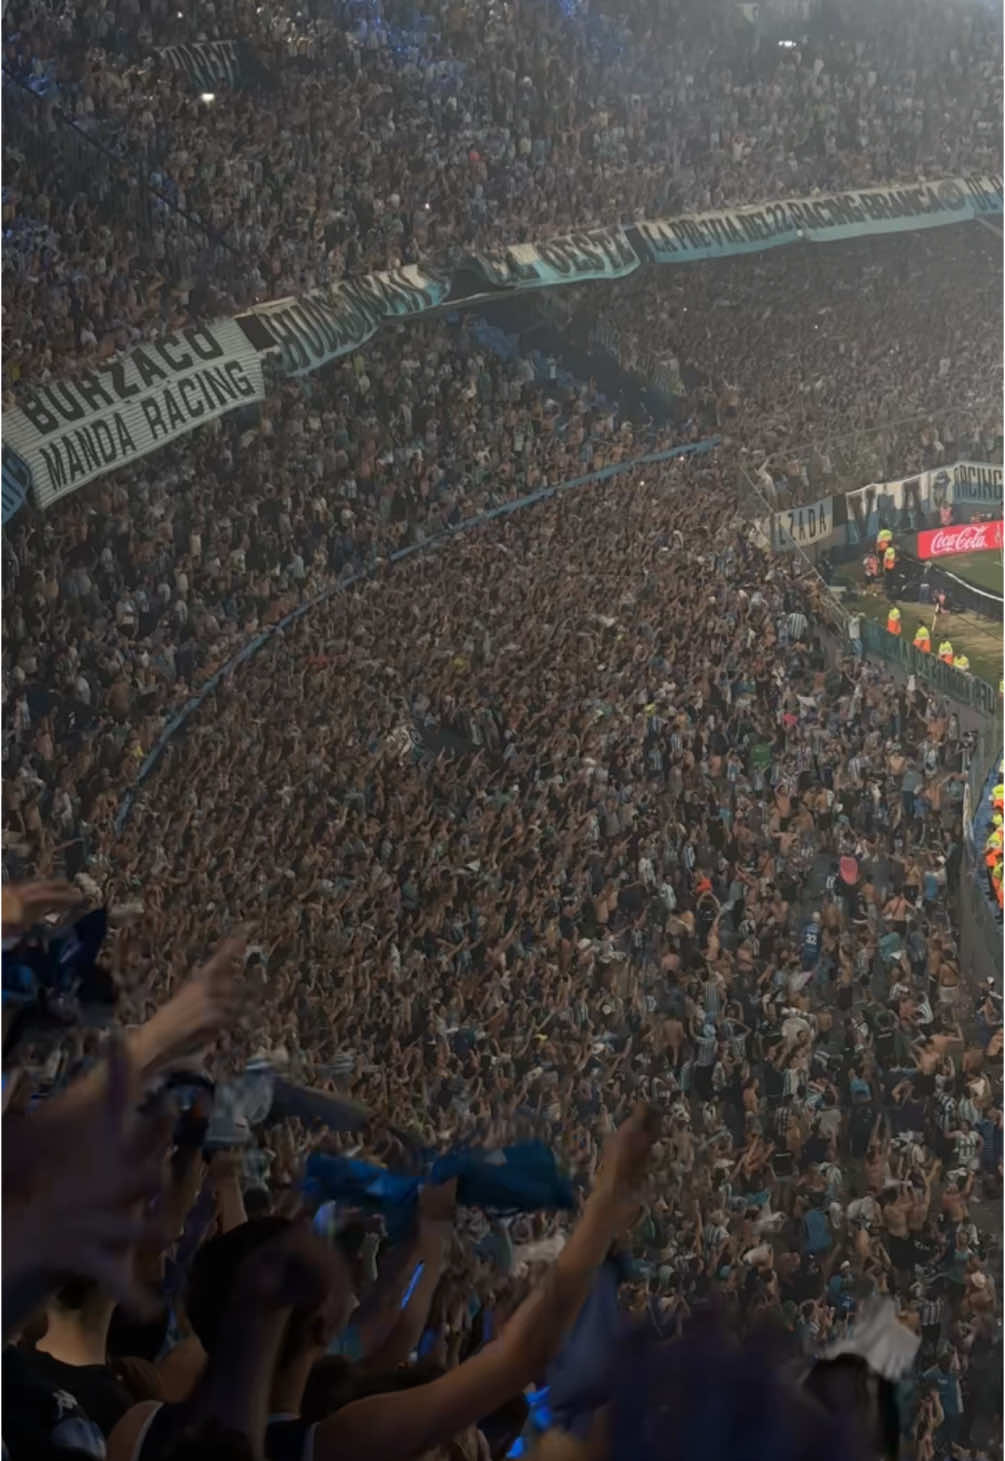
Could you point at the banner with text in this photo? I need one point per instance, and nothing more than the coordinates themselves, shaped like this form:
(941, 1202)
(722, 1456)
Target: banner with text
(977, 484)
(814, 526)
(825, 219)
(594, 253)
(905, 505)
(72, 431)
(312, 329)
(961, 538)
(103, 419)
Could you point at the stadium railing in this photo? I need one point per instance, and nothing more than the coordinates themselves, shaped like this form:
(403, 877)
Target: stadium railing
(969, 690)
(966, 595)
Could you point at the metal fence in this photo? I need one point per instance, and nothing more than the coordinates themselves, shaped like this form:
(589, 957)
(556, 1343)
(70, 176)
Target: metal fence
(969, 690)
(979, 919)
(965, 595)
(980, 930)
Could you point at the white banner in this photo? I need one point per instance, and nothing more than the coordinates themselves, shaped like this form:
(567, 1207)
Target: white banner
(207, 64)
(803, 527)
(75, 430)
(907, 503)
(312, 329)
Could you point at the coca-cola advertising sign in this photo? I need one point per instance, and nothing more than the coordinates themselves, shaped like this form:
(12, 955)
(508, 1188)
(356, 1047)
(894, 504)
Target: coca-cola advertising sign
(963, 538)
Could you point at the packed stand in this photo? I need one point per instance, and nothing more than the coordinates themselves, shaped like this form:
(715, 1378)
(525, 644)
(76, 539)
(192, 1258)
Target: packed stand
(380, 137)
(123, 602)
(828, 366)
(512, 864)
(615, 872)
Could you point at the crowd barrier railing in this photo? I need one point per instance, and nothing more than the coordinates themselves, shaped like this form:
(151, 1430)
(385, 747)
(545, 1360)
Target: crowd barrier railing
(969, 690)
(980, 921)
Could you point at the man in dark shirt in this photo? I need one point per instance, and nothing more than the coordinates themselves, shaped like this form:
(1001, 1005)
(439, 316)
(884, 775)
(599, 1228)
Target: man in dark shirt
(69, 1366)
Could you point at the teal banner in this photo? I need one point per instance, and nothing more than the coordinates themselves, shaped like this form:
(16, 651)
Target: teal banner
(593, 253)
(826, 219)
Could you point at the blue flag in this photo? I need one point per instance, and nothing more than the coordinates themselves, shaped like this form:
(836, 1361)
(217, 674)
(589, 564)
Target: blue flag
(522, 1178)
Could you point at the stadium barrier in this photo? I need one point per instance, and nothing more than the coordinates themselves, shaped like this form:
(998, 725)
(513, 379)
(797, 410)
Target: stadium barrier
(182, 716)
(964, 595)
(969, 690)
(980, 922)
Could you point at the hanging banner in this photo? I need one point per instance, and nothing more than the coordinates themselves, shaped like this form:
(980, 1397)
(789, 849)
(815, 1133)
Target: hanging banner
(903, 505)
(961, 538)
(103, 419)
(595, 253)
(16, 483)
(977, 484)
(806, 527)
(207, 64)
(313, 329)
(825, 219)
(72, 431)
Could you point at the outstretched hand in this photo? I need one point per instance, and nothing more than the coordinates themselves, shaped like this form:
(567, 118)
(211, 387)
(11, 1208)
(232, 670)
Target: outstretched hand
(205, 1004)
(624, 1165)
(25, 904)
(86, 1213)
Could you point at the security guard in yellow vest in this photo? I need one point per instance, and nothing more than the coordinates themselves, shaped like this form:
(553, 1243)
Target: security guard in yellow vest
(961, 662)
(998, 797)
(946, 652)
(922, 639)
(995, 841)
(893, 621)
(883, 540)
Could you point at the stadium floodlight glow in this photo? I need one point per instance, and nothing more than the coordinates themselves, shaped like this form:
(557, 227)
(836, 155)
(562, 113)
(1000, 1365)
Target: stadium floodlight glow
(787, 45)
(207, 96)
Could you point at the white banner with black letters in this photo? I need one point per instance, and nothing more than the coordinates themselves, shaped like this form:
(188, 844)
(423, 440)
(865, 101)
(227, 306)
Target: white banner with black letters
(71, 431)
(312, 329)
(806, 527)
(908, 503)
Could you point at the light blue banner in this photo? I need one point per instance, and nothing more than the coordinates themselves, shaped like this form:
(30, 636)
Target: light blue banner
(16, 483)
(825, 219)
(593, 253)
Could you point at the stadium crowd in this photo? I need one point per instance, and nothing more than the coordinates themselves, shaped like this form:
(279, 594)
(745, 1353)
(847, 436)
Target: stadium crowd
(882, 364)
(572, 836)
(570, 849)
(388, 137)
